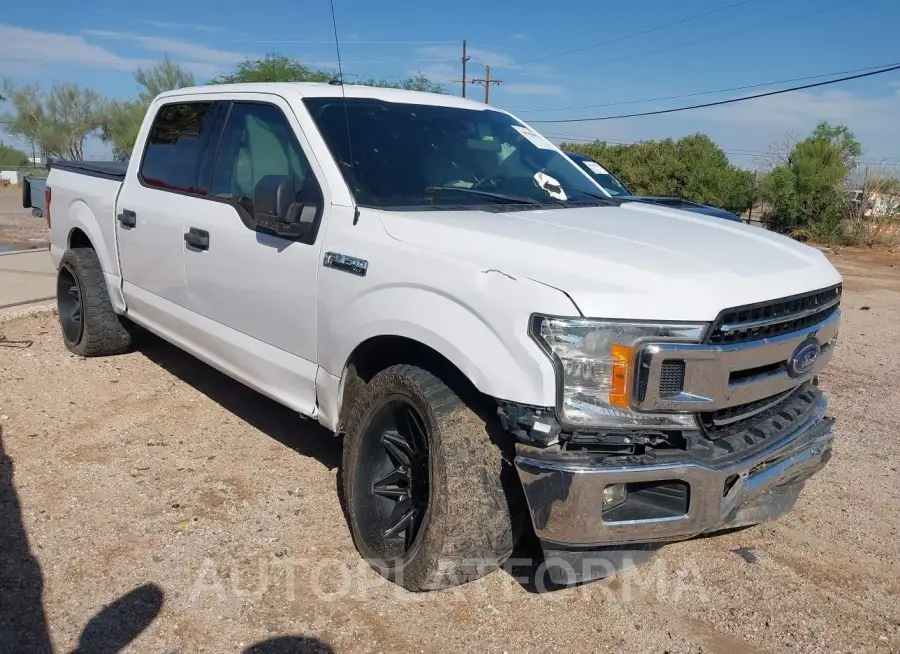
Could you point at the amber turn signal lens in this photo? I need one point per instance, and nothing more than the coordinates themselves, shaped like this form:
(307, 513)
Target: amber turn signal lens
(620, 391)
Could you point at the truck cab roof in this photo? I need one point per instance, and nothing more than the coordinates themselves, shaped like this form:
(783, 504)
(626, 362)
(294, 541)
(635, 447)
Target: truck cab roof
(328, 90)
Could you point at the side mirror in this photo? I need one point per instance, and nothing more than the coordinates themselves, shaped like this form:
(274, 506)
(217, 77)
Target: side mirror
(275, 207)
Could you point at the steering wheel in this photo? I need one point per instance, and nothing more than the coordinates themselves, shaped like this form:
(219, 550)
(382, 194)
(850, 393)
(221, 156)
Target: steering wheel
(493, 180)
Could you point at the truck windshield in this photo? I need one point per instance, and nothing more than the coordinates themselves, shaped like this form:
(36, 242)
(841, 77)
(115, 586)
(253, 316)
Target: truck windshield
(414, 155)
(604, 178)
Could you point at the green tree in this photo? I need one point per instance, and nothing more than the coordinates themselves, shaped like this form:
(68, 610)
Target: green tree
(806, 195)
(693, 168)
(417, 82)
(841, 137)
(164, 76)
(273, 68)
(59, 120)
(122, 120)
(11, 157)
(281, 68)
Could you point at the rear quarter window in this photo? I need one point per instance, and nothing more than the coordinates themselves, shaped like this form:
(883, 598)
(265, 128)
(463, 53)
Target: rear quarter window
(174, 147)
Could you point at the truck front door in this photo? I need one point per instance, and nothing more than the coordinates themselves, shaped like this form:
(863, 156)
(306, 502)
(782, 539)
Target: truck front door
(258, 288)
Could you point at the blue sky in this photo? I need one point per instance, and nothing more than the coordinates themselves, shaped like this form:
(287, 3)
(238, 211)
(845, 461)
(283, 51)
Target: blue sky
(100, 43)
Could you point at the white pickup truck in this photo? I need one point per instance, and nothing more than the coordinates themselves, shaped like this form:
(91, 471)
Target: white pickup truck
(497, 342)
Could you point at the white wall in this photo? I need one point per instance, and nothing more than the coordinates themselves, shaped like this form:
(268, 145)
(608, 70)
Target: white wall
(11, 176)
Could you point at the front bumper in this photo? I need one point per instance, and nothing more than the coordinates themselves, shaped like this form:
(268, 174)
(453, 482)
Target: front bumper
(565, 493)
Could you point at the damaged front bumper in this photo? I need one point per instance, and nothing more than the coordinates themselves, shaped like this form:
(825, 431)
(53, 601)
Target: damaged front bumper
(667, 498)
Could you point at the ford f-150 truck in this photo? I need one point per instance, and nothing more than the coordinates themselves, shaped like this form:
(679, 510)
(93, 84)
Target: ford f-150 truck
(499, 345)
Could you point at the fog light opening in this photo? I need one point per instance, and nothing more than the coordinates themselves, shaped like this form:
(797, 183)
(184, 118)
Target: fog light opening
(614, 495)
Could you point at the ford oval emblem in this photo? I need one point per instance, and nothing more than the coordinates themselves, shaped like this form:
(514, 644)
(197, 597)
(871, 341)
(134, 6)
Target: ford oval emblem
(804, 358)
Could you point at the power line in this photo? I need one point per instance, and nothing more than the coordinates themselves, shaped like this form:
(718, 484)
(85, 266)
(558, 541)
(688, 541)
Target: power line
(699, 93)
(719, 35)
(629, 36)
(723, 102)
(346, 43)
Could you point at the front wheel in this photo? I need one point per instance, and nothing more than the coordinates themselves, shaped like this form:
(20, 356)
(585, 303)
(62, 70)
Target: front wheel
(422, 483)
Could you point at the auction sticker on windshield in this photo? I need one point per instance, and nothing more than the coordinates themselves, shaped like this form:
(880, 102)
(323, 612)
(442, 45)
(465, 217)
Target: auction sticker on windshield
(535, 138)
(596, 168)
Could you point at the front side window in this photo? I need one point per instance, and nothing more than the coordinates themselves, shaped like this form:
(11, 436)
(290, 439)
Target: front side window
(174, 147)
(410, 155)
(258, 141)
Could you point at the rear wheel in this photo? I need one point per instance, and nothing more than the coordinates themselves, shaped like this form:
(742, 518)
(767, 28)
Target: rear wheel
(422, 483)
(90, 326)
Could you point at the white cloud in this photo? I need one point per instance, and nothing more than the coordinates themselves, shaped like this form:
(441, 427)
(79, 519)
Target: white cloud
(178, 47)
(872, 119)
(21, 49)
(441, 73)
(187, 26)
(533, 89)
(454, 52)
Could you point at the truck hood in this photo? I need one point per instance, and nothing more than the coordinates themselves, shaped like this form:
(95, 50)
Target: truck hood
(633, 261)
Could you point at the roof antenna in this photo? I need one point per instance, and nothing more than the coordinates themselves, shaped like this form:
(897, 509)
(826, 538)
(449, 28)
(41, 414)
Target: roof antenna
(337, 46)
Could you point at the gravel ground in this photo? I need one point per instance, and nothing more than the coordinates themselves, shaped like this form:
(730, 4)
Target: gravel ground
(18, 228)
(149, 495)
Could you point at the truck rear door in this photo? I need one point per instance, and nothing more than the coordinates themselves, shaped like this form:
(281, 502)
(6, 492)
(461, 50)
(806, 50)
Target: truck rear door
(162, 190)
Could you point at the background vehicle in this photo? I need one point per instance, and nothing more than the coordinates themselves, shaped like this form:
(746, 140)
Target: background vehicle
(617, 189)
(499, 345)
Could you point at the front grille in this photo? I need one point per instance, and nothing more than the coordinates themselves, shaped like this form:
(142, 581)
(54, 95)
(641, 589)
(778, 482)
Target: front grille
(767, 426)
(717, 419)
(768, 319)
(671, 378)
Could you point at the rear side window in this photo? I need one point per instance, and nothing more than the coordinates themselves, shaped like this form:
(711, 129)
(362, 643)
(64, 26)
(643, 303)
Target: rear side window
(258, 141)
(174, 147)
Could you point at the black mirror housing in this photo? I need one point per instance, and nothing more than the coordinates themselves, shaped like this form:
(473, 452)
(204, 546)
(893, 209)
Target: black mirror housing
(272, 200)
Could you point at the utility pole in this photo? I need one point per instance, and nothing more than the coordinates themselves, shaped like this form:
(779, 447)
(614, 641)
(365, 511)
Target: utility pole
(486, 83)
(465, 58)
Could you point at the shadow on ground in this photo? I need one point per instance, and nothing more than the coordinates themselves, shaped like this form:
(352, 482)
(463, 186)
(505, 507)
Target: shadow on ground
(23, 623)
(273, 419)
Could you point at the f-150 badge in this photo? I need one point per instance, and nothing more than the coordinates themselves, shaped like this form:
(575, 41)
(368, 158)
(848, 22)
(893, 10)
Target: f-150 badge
(346, 263)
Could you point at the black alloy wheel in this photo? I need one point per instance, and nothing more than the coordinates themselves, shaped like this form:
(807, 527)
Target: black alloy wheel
(394, 473)
(69, 305)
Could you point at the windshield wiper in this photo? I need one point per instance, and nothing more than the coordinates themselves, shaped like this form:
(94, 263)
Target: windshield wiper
(500, 197)
(604, 199)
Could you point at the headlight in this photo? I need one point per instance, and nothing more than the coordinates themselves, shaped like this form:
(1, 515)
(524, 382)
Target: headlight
(597, 362)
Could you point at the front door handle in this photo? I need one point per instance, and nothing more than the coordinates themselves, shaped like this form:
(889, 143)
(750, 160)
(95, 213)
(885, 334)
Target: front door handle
(128, 218)
(197, 238)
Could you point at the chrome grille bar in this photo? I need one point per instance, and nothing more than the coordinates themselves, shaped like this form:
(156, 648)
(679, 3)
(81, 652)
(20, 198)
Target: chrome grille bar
(720, 376)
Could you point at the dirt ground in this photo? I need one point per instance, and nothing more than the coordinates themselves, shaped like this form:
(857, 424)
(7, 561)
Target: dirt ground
(18, 228)
(148, 495)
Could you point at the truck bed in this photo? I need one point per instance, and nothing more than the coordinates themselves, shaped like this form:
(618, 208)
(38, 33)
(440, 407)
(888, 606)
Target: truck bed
(114, 170)
(84, 198)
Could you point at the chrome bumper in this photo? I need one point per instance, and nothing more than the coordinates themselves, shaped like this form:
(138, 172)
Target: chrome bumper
(565, 497)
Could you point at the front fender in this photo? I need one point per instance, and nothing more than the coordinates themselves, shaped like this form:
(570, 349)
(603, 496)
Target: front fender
(480, 324)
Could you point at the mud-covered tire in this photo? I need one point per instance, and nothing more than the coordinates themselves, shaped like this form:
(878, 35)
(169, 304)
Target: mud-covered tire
(467, 530)
(81, 284)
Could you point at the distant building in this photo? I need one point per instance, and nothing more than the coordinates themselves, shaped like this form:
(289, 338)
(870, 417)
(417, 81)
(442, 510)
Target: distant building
(10, 177)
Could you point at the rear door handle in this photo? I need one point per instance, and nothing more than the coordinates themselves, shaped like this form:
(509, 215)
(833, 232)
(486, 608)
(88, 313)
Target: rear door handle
(128, 218)
(197, 238)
